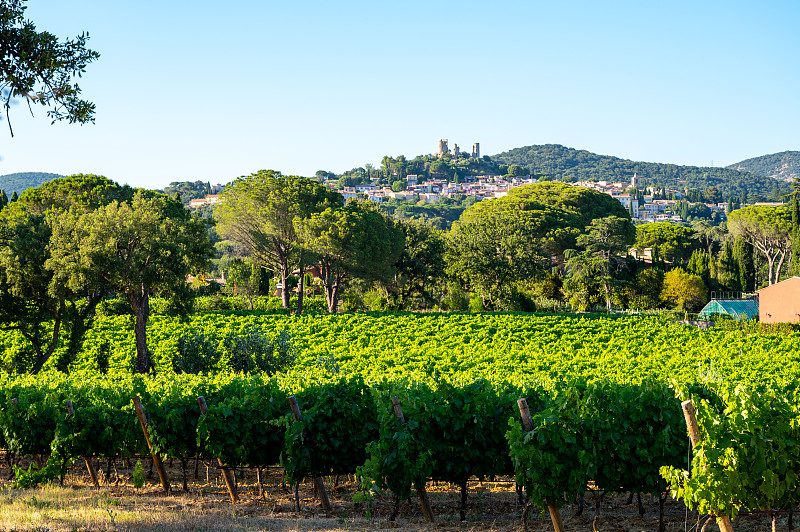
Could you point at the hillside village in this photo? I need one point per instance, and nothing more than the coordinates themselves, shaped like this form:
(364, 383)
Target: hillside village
(646, 204)
(495, 186)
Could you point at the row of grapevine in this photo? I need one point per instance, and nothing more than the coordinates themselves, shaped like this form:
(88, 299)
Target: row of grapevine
(452, 432)
(622, 437)
(467, 347)
(747, 457)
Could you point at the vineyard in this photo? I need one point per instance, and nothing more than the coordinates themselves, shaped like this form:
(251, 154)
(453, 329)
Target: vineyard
(397, 402)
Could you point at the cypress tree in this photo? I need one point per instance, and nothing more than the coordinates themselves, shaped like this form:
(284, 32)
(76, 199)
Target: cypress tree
(728, 269)
(14, 197)
(3, 199)
(730, 206)
(794, 265)
(699, 265)
(743, 253)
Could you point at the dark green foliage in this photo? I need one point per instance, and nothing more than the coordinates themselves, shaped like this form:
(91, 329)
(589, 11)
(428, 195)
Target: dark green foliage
(728, 270)
(671, 242)
(440, 215)
(628, 444)
(568, 164)
(188, 190)
(743, 251)
(551, 460)
(339, 421)
(420, 266)
(254, 350)
(108, 429)
(499, 242)
(83, 191)
(450, 433)
(29, 427)
(699, 264)
(245, 423)
(173, 411)
(197, 353)
(615, 434)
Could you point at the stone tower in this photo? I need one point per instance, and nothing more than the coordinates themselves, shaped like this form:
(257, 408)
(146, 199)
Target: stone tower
(442, 147)
(476, 150)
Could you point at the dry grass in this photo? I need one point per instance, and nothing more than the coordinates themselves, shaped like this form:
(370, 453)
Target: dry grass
(492, 507)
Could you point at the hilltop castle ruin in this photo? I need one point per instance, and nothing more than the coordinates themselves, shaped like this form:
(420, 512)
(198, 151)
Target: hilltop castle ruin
(476, 149)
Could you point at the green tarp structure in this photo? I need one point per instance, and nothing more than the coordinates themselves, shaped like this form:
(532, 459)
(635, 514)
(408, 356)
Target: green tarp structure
(740, 309)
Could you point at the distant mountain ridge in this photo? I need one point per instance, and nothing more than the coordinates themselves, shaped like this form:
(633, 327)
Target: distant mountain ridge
(23, 180)
(569, 164)
(783, 166)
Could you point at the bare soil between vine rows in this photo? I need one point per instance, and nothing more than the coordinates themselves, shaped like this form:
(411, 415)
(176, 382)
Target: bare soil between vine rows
(492, 506)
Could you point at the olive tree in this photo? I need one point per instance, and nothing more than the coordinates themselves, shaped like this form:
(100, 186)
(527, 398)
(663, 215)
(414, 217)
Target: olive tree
(145, 247)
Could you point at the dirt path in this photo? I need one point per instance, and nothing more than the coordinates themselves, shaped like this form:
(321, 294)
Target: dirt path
(493, 506)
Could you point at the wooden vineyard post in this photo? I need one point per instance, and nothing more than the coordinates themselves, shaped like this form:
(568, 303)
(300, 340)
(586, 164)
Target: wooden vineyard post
(227, 474)
(420, 485)
(318, 483)
(527, 425)
(88, 460)
(162, 474)
(723, 521)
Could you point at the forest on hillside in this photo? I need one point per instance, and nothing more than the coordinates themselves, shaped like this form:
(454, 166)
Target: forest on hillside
(783, 166)
(24, 180)
(568, 164)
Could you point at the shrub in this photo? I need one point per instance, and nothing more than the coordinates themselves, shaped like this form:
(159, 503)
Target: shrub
(197, 352)
(476, 303)
(456, 299)
(376, 301)
(351, 302)
(253, 350)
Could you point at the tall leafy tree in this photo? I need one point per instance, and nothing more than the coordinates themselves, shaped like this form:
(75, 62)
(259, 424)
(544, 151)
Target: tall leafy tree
(683, 290)
(605, 243)
(28, 305)
(498, 242)
(420, 265)
(356, 240)
(495, 245)
(644, 291)
(728, 269)
(671, 242)
(35, 301)
(246, 278)
(145, 247)
(84, 192)
(743, 252)
(709, 234)
(700, 265)
(768, 229)
(258, 212)
(39, 69)
(794, 264)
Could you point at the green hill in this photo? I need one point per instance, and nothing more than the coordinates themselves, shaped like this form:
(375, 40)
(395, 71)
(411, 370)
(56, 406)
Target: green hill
(569, 164)
(783, 166)
(23, 180)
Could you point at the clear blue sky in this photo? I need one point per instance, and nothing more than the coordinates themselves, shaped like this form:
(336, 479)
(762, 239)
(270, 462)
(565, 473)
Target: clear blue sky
(189, 90)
